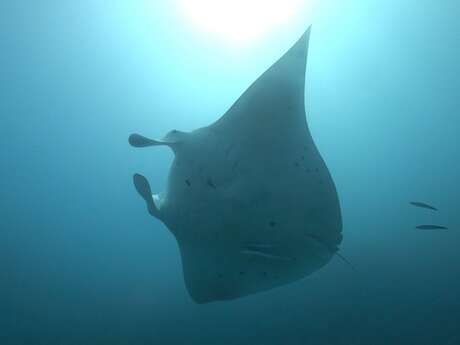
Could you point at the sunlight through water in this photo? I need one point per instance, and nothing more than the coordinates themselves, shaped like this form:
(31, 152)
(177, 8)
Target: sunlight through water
(240, 21)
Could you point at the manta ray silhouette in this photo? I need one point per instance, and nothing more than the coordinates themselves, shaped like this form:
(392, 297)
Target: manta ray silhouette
(249, 198)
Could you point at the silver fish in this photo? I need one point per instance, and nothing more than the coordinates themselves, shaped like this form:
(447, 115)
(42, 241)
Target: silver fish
(431, 227)
(423, 205)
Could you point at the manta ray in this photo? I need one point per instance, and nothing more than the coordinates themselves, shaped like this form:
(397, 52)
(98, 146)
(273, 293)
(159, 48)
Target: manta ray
(249, 198)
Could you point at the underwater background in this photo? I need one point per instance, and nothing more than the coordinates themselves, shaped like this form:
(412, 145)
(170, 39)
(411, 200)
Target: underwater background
(82, 262)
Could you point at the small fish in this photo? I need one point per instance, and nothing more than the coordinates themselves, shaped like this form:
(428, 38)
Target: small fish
(423, 205)
(431, 227)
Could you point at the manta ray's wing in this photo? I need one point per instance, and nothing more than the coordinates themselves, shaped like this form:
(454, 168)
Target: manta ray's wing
(275, 102)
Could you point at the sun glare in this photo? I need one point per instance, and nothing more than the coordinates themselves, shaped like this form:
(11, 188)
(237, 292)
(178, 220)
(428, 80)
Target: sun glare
(241, 20)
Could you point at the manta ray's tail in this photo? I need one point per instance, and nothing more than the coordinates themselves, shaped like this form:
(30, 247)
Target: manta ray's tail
(341, 257)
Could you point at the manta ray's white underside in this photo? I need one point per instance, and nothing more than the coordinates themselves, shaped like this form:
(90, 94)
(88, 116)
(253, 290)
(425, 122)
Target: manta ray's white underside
(249, 198)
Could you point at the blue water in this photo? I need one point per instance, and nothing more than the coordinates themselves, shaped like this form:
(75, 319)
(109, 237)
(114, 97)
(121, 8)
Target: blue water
(81, 261)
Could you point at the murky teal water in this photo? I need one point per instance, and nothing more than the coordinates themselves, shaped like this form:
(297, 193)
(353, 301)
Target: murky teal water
(81, 262)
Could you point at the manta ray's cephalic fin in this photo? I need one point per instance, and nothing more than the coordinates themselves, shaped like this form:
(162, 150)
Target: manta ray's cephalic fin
(172, 139)
(143, 188)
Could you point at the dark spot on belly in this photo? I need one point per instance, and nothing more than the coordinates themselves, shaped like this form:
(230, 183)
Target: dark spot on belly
(242, 273)
(272, 223)
(188, 183)
(296, 164)
(210, 183)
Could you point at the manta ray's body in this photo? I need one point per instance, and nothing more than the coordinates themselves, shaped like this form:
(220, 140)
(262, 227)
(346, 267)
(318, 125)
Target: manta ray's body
(249, 198)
